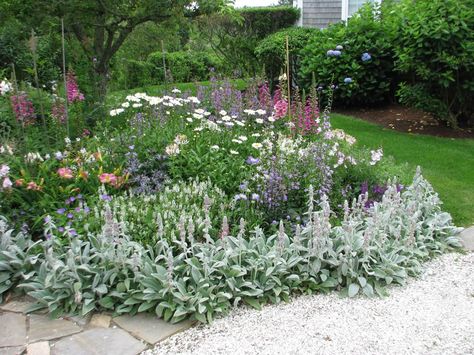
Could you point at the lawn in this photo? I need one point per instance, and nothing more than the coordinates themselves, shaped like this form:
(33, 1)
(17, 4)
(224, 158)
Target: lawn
(119, 96)
(446, 162)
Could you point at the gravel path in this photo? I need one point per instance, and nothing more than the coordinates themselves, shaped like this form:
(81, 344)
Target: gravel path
(433, 314)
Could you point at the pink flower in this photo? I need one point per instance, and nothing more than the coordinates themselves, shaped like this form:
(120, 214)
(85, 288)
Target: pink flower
(73, 93)
(281, 109)
(58, 111)
(65, 173)
(4, 170)
(33, 186)
(106, 178)
(7, 183)
(22, 108)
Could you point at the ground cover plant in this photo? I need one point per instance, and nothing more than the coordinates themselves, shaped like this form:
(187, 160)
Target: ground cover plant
(189, 203)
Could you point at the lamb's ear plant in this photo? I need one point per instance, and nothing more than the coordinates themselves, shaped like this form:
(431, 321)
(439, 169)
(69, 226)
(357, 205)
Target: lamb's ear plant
(202, 278)
(18, 258)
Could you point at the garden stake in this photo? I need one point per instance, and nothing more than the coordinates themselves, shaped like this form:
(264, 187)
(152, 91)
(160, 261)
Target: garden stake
(64, 77)
(164, 61)
(33, 47)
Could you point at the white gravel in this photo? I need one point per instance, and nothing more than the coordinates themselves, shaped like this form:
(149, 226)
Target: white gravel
(433, 314)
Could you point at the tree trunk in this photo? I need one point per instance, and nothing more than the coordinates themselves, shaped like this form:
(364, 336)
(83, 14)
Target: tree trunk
(102, 79)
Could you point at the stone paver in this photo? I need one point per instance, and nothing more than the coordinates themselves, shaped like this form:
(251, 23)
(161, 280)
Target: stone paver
(150, 328)
(44, 328)
(100, 320)
(99, 341)
(79, 320)
(16, 350)
(12, 330)
(467, 238)
(18, 306)
(41, 348)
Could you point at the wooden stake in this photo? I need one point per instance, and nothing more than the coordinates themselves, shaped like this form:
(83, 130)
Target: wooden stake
(164, 61)
(64, 78)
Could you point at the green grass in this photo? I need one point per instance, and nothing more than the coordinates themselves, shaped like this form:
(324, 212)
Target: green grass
(116, 97)
(446, 162)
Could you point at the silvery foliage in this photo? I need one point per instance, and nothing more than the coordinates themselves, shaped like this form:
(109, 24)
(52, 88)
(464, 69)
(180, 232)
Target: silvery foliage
(202, 277)
(75, 278)
(176, 208)
(17, 257)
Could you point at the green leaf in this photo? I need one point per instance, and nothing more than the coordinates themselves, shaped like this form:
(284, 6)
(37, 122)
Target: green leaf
(253, 302)
(353, 290)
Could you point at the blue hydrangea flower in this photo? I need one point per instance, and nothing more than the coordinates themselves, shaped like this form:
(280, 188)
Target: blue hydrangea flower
(366, 57)
(339, 47)
(330, 53)
(336, 53)
(348, 80)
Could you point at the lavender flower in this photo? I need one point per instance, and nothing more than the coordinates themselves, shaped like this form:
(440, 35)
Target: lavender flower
(252, 161)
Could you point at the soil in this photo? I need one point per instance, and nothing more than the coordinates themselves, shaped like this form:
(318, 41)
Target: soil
(409, 120)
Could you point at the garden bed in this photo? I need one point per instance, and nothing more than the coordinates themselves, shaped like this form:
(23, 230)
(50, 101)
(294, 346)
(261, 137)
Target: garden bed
(185, 206)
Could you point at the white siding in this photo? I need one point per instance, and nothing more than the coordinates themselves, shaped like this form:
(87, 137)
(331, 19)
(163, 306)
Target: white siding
(320, 13)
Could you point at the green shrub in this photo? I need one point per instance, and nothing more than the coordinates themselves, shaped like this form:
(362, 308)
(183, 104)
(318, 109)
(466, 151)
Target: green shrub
(185, 66)
(335, 56)
(271, 51)
(435, 52)
(235, 39)
(136, 73)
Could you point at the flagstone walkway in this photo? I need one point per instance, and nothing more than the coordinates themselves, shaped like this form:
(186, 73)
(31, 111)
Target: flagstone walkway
(101, 334)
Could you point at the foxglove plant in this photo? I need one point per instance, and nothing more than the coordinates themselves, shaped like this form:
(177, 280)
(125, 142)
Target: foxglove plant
(72, 89)
(23, 108)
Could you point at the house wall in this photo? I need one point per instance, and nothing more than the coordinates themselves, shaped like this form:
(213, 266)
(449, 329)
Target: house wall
(320, 13)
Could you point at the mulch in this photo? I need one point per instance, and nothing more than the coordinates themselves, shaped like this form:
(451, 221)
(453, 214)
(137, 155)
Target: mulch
(408, 120)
